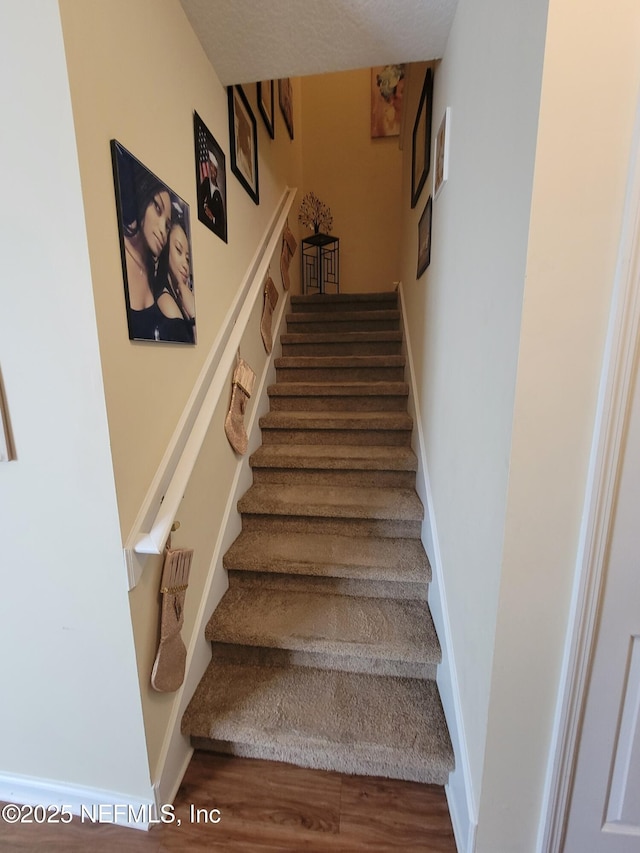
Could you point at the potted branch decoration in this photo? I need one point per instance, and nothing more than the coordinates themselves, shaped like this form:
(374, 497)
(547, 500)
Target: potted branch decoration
(315, 214)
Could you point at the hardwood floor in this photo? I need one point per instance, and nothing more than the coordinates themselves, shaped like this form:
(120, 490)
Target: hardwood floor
(266, 807)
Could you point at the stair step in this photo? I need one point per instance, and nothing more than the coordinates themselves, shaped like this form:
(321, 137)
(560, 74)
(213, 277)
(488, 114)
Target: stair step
(343, 321)
(333, 396)
(364, 466)
(342, 343)
(359, 559)
(335, 457)
(404, 590)
(336, 428)
(329, 502)
(289, 525)
(377, 635)
(347, 722)
(341, 301)
(344, 368)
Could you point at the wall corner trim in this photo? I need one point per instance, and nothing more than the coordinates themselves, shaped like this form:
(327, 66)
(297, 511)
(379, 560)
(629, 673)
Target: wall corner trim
(459, 790)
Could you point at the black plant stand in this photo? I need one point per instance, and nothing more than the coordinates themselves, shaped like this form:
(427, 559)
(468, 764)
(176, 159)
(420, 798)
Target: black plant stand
(320, 263)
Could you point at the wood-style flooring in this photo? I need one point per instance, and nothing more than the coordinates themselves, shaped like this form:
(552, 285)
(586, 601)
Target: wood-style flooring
(266, 807)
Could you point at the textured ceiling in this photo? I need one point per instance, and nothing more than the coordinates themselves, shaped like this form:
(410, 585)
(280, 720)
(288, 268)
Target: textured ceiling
(249, 40)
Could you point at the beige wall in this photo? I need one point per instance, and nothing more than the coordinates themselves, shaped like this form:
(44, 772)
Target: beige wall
(137, 72)
(571, 265)
(357, 176)
(108, 46)
(464, 316)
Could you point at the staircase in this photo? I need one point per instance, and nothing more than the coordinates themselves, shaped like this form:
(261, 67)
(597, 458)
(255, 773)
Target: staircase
(324, 651)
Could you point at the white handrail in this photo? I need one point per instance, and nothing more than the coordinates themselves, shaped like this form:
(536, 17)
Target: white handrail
(153, 523)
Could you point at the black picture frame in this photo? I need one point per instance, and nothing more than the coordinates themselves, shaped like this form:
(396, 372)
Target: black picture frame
(421, 139)
(211, 179)
(285, 99)
(266, 102)
(243, 139)
(154, 229)
(424, 237)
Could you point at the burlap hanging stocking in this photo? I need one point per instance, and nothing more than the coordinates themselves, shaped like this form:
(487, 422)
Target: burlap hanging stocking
(289, 247)
(168, 669)
(270, 300)
(241, 389)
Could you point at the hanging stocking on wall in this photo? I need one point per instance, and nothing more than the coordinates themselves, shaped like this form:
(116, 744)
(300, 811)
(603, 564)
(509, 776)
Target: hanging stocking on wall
(243, 380)
(270, 300)
(168, 669)
(289, 247)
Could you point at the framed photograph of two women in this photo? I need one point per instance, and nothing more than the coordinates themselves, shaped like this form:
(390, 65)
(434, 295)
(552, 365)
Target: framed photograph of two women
(155, 248)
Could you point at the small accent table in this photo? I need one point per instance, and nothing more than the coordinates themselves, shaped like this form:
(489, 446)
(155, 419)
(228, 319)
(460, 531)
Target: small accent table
(320, 263)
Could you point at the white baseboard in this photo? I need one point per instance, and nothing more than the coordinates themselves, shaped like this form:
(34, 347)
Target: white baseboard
(53, 802)
(459, 790)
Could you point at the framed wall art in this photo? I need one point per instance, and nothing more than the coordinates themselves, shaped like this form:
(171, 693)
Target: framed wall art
(285, 97)
(155, 249)
(387, 87)
(421, 139)
(265, 105)
(441, 154)
(211, 179)
(243, 136)
(424, 238)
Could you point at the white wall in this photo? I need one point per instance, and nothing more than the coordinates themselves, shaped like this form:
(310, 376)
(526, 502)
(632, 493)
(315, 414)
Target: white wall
(590, 92)
(70, 708)
(464, 316)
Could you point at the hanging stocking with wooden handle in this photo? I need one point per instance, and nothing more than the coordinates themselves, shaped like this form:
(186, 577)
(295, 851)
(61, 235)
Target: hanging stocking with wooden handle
(169, 666)
(270, 300)
(241, 389)
(289, 247)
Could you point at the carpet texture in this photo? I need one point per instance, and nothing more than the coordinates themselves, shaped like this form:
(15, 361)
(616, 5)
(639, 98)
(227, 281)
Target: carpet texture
(324, 650)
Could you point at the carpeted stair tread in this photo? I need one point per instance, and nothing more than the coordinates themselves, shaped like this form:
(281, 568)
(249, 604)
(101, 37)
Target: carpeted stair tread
(336, 420)
(315, 301)
(338, 389)
(349, 722)
(332, 625)
(388, 336)
(344, 316)
(335, 457)
(332, 502)
(309, 362)
(361, 557)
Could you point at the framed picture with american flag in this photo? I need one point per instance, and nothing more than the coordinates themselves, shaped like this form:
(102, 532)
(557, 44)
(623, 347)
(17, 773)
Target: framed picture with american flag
(211, 180)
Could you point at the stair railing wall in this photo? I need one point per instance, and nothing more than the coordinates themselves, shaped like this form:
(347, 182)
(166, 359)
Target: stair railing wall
(459, 791)
(198, 466)
(176, 750)
(158, 511)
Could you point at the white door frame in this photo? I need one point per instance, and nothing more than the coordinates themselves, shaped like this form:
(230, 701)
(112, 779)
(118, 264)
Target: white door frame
(623, 338)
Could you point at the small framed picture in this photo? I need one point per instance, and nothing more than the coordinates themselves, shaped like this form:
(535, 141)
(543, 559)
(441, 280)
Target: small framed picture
(285, 97)
(211, 179)
(155, 249)
(265, 105)
(421, 139)
(243, 135)
(387, 88)
(424, 238)
(441, 155)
